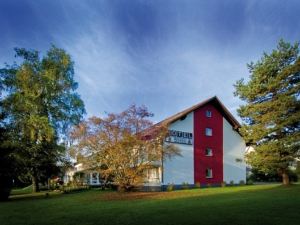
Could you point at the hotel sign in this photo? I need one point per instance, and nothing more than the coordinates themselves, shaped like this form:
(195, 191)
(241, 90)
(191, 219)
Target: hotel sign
(179, 137)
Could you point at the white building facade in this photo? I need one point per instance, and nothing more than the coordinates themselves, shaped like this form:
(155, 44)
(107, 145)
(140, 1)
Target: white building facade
(212, 149)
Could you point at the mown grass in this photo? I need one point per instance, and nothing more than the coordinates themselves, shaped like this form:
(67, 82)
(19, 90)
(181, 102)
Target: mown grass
(263, 204)
(22, 191)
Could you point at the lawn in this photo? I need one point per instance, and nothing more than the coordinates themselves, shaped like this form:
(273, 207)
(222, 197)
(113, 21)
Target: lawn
(262, 204)
(22, 191)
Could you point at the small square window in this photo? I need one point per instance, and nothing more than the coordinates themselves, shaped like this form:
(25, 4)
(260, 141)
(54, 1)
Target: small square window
(208, 152)
(208, 113)
(208, 172)
(208, 131)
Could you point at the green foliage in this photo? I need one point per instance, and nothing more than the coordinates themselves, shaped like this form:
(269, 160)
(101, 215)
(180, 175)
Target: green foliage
(170, 187)
(22, 191)
(250, 182)
(76, 188)
(198, 185)
(242, 182)
(223, 184)
(8, 162)
(297, 171)
(185, 185)
(259, 176)
(231, 183)
(293, 176)
(41, 103)
(272, 112)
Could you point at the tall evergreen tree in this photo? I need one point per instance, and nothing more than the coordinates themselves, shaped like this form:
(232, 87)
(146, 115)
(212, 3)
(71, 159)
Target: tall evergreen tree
(42, 103)
(271, 115)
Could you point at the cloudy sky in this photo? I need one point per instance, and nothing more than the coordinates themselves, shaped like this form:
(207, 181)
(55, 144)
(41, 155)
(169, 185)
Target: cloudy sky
(165, 54)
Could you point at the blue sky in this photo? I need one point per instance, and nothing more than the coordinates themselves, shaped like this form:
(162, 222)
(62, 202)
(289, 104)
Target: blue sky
(167, 55)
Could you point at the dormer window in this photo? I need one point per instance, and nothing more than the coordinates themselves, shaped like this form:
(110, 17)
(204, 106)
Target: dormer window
(208, 113)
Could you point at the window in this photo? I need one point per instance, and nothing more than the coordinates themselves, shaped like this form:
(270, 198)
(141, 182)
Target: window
(208, 131)
(208, 113)
(95, 178)
(208, 152)
(209, 173)
(153, 175)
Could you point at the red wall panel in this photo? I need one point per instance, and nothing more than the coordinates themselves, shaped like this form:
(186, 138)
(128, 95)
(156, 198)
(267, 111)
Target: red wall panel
(201, 142)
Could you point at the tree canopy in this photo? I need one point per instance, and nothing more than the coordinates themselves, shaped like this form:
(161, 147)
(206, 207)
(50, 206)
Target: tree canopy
(271, 114)
(118, 147)
(41, 103)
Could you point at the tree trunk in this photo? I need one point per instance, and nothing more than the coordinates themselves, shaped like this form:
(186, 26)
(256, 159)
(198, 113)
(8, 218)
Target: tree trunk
(35, 184)
(48, 184)
(285, 178)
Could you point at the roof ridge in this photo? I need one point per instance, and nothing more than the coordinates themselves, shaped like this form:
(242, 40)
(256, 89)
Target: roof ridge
(182, 113)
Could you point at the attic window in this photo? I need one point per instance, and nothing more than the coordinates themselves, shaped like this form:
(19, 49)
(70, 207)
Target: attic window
(208, 113)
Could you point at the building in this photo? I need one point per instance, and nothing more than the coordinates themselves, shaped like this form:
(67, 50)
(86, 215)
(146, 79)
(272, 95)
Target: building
(212, 149)
(211, 146)
(79, 174)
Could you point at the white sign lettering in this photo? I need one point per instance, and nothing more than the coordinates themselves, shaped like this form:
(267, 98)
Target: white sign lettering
(179, 137)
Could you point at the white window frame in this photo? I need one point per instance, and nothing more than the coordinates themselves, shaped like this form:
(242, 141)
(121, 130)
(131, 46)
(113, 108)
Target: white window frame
(208, 132)
(208, 173)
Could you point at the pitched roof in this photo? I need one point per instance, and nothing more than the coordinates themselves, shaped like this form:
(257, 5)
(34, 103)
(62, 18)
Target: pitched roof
(215, 101)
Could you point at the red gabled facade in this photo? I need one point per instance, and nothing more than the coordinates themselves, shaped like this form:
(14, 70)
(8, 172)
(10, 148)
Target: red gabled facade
(201, 162)
(214, 142)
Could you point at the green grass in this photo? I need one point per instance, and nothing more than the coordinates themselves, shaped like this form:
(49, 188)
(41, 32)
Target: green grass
(262, 204)
(22, 191)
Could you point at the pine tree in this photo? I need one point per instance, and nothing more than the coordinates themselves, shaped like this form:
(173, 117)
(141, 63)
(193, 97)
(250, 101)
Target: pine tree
(271, 115)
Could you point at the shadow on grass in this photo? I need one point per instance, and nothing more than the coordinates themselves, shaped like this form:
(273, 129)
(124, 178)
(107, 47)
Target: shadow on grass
(179, 194)
(109, 195)
(247, 205)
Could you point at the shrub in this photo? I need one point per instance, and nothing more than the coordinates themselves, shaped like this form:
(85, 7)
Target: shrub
(53, 184)
(5, 187)
(250, 182)
(170, 187)
(258, 176)
(198, 185)
(185, 185)
(69, 189)
(242, 182)
(223, 184)
(297, 171)
(231, 183)
(293, 175)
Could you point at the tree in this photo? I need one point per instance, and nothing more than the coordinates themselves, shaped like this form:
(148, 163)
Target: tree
(272, 116)
(8, 163)
(41, 103)
(119, 145)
